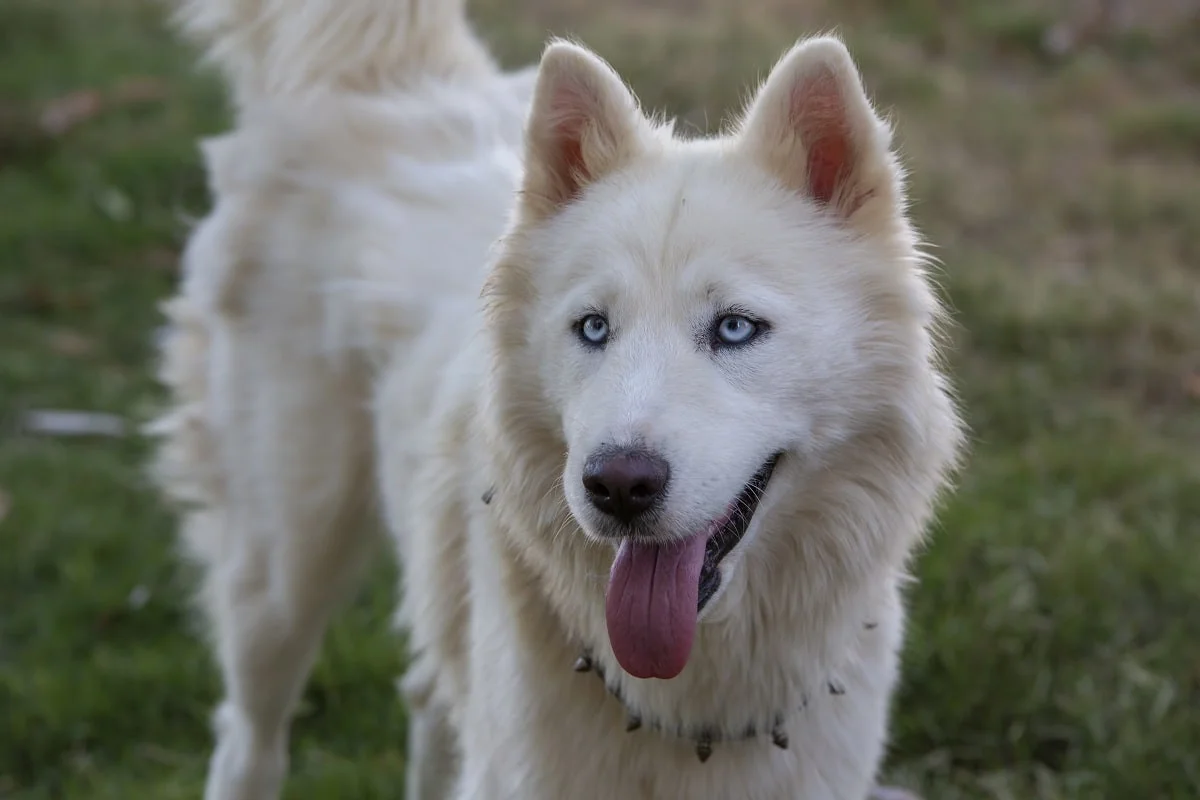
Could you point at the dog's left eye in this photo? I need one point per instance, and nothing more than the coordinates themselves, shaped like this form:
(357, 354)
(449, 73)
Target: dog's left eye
(593, 329)
(735, 329)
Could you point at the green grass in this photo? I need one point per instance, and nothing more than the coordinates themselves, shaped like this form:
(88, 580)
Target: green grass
(1055, 641)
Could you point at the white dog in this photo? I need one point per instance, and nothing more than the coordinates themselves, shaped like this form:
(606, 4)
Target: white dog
(653, 495)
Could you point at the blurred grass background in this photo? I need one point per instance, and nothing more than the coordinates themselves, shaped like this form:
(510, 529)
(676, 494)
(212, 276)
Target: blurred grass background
(1055, 158)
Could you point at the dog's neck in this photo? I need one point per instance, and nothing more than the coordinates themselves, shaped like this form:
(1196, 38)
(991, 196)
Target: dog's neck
(773, 671)
(705, 736)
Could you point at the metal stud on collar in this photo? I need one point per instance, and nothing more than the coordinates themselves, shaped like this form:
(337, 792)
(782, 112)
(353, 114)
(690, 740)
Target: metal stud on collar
(779, 736)
(704, 741)
(704, 747)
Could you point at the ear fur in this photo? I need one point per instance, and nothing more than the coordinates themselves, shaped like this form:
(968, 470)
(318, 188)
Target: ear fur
(584, 123)
(812, 126)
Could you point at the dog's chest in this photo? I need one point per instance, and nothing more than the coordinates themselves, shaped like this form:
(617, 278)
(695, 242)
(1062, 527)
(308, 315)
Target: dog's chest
(581, 751)
(537, 730)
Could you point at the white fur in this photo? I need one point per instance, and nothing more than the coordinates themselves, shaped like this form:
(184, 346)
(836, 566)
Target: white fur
(330, 347)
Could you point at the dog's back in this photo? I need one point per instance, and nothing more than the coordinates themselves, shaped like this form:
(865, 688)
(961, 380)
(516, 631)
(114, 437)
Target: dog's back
(273, 47)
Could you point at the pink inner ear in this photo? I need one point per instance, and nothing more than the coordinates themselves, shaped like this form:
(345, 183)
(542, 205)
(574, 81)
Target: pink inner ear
(574, 171)
(570, 108)
(818, 115)
(827, 160)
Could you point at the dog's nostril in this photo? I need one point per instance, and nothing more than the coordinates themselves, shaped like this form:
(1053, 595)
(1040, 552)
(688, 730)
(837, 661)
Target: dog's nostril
(642, 490)
(595, 487)
(625, 483)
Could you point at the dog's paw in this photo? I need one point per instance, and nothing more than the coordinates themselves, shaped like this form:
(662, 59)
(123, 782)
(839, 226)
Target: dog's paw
(243, 766)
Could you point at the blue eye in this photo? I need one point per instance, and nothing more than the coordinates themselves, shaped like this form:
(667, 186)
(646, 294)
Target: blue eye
(593, 329)
(735, 329)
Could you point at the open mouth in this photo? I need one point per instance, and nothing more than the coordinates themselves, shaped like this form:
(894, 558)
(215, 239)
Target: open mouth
(657, 589)
(727, 537)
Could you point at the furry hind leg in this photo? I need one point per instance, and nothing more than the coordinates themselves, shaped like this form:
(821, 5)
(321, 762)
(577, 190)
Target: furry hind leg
(286, 539)
(267, 633)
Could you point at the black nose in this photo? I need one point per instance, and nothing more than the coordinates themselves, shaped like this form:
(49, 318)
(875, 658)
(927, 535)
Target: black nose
(624, 483)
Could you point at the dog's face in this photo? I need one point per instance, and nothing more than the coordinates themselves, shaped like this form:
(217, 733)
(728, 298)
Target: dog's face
(709, 320)
(692, 331)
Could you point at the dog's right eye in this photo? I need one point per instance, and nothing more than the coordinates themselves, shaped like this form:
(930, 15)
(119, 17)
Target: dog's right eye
(593, 329)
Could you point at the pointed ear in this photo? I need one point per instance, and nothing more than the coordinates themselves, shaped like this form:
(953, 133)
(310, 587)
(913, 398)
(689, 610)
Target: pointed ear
(584, 123)
(812, 126)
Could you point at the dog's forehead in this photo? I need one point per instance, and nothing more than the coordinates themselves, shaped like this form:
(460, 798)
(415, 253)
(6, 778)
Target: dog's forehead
(669, 209)
(689, 227)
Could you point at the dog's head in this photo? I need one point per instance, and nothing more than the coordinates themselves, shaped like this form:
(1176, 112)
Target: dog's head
(707, 325)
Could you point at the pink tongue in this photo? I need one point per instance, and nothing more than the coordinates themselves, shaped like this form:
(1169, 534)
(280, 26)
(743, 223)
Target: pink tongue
(651, 605)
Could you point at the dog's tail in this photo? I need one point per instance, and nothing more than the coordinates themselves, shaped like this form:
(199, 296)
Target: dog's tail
(272, 47)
